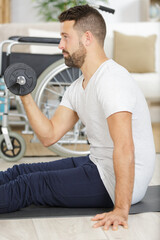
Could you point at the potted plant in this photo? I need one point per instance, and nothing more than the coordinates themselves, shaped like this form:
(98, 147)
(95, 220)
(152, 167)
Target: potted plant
(50, 9)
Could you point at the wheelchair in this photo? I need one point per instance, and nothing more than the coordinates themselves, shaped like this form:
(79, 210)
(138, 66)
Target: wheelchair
(54, 77)
(51, 85)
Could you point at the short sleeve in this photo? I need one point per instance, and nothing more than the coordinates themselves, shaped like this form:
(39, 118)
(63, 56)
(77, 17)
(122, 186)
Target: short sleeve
(66, 99)
(116, 93)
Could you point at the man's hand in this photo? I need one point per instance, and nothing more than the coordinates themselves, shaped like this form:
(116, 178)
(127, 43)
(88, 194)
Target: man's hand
(116, 217)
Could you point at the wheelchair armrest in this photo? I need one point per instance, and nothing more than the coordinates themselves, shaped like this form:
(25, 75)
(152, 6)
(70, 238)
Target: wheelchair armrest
(35, 39)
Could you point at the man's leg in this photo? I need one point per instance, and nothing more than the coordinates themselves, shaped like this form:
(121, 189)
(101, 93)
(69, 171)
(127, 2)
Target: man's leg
(17, 170)
(80, 186)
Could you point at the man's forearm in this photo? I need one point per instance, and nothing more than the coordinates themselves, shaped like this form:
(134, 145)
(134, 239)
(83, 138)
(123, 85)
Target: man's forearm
(40, 124)
(124, 172)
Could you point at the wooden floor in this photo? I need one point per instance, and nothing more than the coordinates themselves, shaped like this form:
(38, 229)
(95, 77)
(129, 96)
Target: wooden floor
(144, 226)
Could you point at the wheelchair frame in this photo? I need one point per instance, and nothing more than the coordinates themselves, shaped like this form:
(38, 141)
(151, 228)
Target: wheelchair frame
(6, 95)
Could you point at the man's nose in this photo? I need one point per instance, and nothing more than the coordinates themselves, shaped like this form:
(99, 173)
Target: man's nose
(61, 45)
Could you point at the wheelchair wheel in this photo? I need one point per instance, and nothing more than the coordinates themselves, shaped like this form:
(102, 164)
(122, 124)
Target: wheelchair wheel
(51, 86)
(18, 151)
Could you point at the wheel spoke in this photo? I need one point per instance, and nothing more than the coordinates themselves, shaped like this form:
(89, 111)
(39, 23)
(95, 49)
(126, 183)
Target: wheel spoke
(62, 76)
(4, 151)
(57, 82)
(52, 91)
(69, 75)
(15, 143)
(13, 153)
(17, 147)
(79, 73)
(73, 73)
(4, 147)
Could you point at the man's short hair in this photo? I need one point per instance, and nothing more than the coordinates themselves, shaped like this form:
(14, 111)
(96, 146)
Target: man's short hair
(86, 19)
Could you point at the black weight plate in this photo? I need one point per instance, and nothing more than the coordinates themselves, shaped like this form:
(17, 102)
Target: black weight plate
(20, 69)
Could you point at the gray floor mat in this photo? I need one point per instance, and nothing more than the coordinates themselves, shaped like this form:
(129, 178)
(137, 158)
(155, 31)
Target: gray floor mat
(150, 203)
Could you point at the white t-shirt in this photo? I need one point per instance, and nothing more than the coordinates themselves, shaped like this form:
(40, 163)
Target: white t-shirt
(111, 89)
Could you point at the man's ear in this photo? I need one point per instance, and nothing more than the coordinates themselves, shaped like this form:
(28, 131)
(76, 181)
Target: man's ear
(88, 38)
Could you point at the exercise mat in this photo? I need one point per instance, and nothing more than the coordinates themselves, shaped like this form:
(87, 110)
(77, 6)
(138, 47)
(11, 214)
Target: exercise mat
(150, 203)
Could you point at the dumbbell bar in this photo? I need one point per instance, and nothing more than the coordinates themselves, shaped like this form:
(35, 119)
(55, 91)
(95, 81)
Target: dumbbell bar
(20, 79)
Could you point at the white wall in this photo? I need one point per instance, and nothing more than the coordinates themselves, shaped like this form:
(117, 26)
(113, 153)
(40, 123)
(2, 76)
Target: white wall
(126, 11)
(24, 11)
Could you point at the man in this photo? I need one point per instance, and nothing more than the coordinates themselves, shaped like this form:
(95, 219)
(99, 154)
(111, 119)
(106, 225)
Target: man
(114, 111)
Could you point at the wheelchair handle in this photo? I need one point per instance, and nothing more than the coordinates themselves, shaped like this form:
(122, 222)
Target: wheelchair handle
(42, 40)
(106, 9)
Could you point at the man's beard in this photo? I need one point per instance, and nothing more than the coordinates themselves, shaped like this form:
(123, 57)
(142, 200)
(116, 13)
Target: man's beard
(77, 58)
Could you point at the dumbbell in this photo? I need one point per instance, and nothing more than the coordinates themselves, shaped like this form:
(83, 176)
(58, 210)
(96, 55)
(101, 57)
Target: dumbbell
(20, 79)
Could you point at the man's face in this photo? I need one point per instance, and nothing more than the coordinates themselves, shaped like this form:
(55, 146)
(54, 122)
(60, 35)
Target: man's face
(71, 45)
